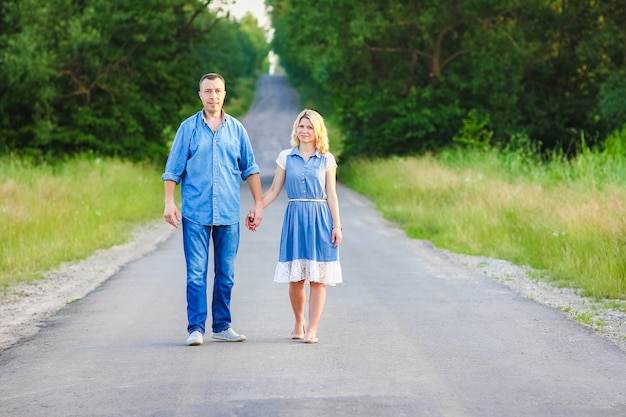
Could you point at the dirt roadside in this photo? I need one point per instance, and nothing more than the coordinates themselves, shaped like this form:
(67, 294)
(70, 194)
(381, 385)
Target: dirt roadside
(25, 307)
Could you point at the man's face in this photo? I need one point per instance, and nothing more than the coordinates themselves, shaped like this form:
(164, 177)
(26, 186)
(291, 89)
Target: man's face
(212, 94)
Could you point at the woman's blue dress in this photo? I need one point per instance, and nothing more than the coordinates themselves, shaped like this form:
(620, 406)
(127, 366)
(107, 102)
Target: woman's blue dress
(306, 248)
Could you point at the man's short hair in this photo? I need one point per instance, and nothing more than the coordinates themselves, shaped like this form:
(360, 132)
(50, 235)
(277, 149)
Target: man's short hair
(211, 76)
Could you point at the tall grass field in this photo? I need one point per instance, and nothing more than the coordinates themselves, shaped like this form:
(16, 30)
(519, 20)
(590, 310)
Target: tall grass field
(564, 218)
(53, 213)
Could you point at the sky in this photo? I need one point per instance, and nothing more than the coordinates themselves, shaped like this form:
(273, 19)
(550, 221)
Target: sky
(256, 7)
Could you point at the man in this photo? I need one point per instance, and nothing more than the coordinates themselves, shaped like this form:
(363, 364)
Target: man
(209, 155)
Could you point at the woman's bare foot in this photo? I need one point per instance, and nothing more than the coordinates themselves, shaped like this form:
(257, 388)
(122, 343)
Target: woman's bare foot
(310, 336)
(298, 332)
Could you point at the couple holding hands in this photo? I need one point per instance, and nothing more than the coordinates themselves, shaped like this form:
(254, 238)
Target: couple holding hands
(207, 147)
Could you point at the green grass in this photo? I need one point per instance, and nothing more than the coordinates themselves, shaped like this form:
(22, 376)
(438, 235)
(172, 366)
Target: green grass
(66, 211)
(567, 219)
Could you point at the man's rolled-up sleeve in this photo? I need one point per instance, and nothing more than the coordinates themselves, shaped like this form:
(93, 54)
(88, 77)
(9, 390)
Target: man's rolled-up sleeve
(177, 159)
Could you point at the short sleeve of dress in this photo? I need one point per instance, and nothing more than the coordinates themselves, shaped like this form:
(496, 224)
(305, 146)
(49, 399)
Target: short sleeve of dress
(330, 161)
(281, 161)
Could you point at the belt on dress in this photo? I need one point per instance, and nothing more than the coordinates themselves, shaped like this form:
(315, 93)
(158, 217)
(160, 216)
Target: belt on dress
(308, 199)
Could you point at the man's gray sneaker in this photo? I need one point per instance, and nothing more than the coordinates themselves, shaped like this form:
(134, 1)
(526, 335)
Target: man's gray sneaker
(195, 339)
(229, 335)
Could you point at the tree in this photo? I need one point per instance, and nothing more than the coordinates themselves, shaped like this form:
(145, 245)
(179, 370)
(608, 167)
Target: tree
(402, 76)
(106, 76)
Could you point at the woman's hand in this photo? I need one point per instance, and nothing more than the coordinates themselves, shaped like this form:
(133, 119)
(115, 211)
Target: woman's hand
(337, 236)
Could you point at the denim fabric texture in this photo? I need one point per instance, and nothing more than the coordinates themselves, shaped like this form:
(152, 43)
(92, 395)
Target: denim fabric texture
(196, 240)
(209, 166)
(306, 247)
(307, 226)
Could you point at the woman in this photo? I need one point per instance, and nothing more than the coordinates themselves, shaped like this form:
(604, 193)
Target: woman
(311, 231)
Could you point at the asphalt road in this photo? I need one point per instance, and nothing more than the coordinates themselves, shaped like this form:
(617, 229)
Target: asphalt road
(408, 333)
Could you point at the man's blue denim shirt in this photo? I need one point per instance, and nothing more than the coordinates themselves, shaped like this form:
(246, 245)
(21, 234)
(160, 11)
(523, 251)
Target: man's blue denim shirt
(210, 166)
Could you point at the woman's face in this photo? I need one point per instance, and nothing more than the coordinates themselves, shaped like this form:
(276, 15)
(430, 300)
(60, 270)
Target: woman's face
(305, 131)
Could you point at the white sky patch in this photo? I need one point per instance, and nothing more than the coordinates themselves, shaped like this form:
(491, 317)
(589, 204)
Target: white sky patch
(239, 8)
(256, 7)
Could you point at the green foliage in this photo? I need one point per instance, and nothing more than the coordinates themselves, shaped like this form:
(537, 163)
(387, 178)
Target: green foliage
(403, 76)
(612, 106)
(615, 143)
(110, 76)
(475, 134)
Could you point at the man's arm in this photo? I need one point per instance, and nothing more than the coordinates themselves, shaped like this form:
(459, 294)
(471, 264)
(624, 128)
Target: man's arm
(171, 213)
(254, 220)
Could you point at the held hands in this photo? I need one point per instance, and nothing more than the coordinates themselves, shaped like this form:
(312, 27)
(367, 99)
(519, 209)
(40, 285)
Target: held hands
(254, 218)
(250, 221)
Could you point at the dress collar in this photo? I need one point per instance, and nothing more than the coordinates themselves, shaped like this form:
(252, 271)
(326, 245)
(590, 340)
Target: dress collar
(296, 151)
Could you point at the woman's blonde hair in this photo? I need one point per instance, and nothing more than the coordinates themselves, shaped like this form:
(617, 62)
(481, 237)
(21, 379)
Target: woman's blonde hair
(319, 127)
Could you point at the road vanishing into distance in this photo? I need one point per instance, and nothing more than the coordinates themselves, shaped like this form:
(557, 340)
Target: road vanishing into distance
(410, 332)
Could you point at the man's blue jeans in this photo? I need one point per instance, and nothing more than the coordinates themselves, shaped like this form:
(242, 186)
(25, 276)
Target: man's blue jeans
(196, 239)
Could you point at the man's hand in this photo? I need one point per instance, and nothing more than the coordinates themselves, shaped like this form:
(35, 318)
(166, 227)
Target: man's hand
(171, 214)
(254, 218)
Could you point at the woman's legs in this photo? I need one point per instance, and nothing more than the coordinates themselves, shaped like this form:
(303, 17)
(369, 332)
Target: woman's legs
(297, 296)
(317, 299)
